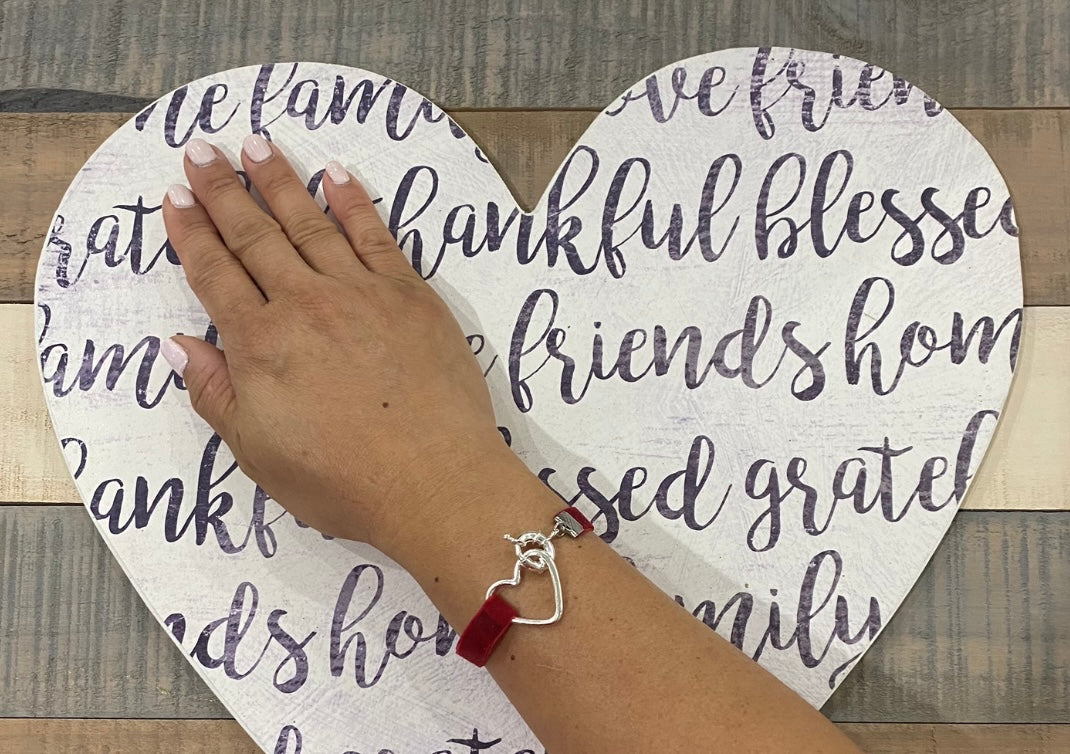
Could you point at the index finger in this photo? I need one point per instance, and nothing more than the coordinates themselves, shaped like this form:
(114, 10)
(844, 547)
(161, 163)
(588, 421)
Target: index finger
(220, 282)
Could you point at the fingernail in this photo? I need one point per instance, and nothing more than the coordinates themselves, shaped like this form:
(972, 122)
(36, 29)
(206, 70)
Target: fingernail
(175, 355)
(257, 148)
(200, 152)
(337, 173)
(180, 196)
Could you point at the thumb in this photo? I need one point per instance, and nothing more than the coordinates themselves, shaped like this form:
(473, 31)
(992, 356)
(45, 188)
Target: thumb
(203, 368)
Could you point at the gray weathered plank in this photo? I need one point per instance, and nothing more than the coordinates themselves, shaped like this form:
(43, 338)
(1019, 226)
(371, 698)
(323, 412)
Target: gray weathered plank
(75, 638)
(51, 735)
(984, 637)
(514, 53)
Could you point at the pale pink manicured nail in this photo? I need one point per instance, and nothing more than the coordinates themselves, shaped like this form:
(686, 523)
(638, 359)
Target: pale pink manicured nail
(257, 148)
(175, 355)
(200, 152)
(337, 173)
(180, 196)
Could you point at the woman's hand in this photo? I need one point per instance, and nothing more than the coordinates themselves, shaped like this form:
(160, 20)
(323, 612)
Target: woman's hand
(349, 393)
(347, 390)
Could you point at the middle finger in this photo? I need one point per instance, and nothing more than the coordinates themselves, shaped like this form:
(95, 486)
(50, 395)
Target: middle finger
(316, 238)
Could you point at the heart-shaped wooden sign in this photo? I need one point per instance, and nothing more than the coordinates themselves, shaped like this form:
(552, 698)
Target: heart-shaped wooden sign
(758, 329)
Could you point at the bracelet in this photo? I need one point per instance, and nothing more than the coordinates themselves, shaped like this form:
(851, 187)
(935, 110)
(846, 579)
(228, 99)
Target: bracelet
(534, 551)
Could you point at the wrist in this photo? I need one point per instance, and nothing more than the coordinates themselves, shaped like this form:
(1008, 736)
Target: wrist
(495, 489)
(453, 544)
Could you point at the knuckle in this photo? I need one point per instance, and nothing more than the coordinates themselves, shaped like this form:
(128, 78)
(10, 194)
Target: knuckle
(207, 274)
(304, 228)
(248, 229)
(192, 237)
(277, 182)
(374, 242)
(366, 230)
(218, 185)
(314, 301)
(210, 400)
(313, 298)
(361, 215)
(299, 290)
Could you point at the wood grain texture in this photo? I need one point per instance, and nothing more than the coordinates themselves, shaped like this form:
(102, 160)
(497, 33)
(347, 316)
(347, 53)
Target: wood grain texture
(32, 468)
(921, 738)
(40, 154)
(77, 639)
(983, 637)
(515, 53)
(1032, 150)
(60, 736)
(1024, 469)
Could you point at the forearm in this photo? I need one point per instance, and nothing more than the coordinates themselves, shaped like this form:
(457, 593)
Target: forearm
(625, 669)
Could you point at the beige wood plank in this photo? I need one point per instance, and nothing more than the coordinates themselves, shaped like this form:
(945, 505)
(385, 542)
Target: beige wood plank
(60, 736)
(1026, 466)
(930, 738)
(983, 637)
(32, 468)
(38, 159)
(557, 53)
(40, 153)
(1024, 469)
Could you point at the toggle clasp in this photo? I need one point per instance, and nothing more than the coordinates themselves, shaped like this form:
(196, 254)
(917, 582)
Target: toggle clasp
(531, 549)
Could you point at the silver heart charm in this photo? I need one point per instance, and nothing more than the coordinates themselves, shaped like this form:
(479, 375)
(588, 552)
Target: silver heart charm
(548, 562)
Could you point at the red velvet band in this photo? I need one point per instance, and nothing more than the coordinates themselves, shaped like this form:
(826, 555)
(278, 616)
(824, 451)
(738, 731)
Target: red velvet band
(582, 519)
(485, 630)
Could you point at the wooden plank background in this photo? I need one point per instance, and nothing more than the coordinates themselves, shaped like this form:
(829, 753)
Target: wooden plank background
(978, 657)
(1031, 147)
(522, 53)
(989, 619)
(46, 736)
